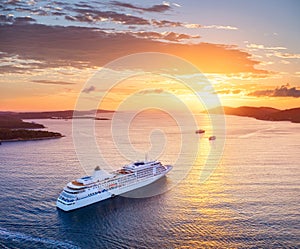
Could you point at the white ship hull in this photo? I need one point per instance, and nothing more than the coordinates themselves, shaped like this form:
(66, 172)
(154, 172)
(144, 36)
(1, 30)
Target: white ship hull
(108, 194)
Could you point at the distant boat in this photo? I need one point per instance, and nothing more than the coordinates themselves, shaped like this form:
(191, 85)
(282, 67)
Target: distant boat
(200, 131)
(212, 138)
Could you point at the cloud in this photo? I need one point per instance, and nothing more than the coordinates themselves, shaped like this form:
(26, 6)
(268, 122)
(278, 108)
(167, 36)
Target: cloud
(30, 7)
(6, 18)
(96, 11)
(13, 2)
(237, 91)
(228, 91)
(56, 13)
(287, 55)
(196, 26)
(83, 5)
(15, 64)
(155, 8)
(168, 36)
(285, 62)
(13, 69)
(33, 11)
(283, 91)
(56, 46)
(219, 27)
(171, 36)
(89, 89)
(151, 91)
(50, 82)
(165, 23)
(260, 46)
(192, 25)
(176, 5)
(71, 18)
(87, 14)
(24, 19)
(93, 15)
(16, 20)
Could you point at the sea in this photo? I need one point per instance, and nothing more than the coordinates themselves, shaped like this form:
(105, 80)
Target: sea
(241, 190)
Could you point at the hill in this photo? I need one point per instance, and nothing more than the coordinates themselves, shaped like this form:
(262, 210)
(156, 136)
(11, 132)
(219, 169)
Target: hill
(262, 113)
(9, 121)
(292, 115)
(26, 135)
(68, 114)
(13, 128)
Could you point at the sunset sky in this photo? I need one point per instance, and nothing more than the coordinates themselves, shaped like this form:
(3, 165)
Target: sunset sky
(249, 50)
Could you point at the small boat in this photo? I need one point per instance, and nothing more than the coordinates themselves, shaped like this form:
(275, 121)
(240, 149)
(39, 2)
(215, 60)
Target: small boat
(200, 131)
(212, 138)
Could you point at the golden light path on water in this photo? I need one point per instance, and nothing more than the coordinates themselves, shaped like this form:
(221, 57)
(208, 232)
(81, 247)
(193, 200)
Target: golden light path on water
(195, 199)
(188, 194)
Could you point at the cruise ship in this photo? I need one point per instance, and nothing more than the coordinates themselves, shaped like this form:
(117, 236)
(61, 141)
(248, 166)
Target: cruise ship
(103, 185)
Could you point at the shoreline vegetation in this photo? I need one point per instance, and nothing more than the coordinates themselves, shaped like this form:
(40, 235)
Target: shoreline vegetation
(68, 114)
(13, 122)
(261, 113)
(13, 128)
(9, 135)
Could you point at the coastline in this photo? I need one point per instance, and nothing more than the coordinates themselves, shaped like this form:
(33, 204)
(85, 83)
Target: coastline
(260, 113)
(30, 139)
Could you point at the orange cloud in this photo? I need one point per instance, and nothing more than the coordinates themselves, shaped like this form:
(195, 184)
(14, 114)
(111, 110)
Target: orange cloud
(56, 46)
(216, 58)
(283, 91)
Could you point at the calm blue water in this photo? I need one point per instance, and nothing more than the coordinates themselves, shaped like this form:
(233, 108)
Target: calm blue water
(251, 200)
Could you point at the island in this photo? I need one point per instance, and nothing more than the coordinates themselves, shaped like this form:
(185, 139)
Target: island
(12, 128)
(261, 113)
(67, 114)
(11, 121)
(8, 135)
